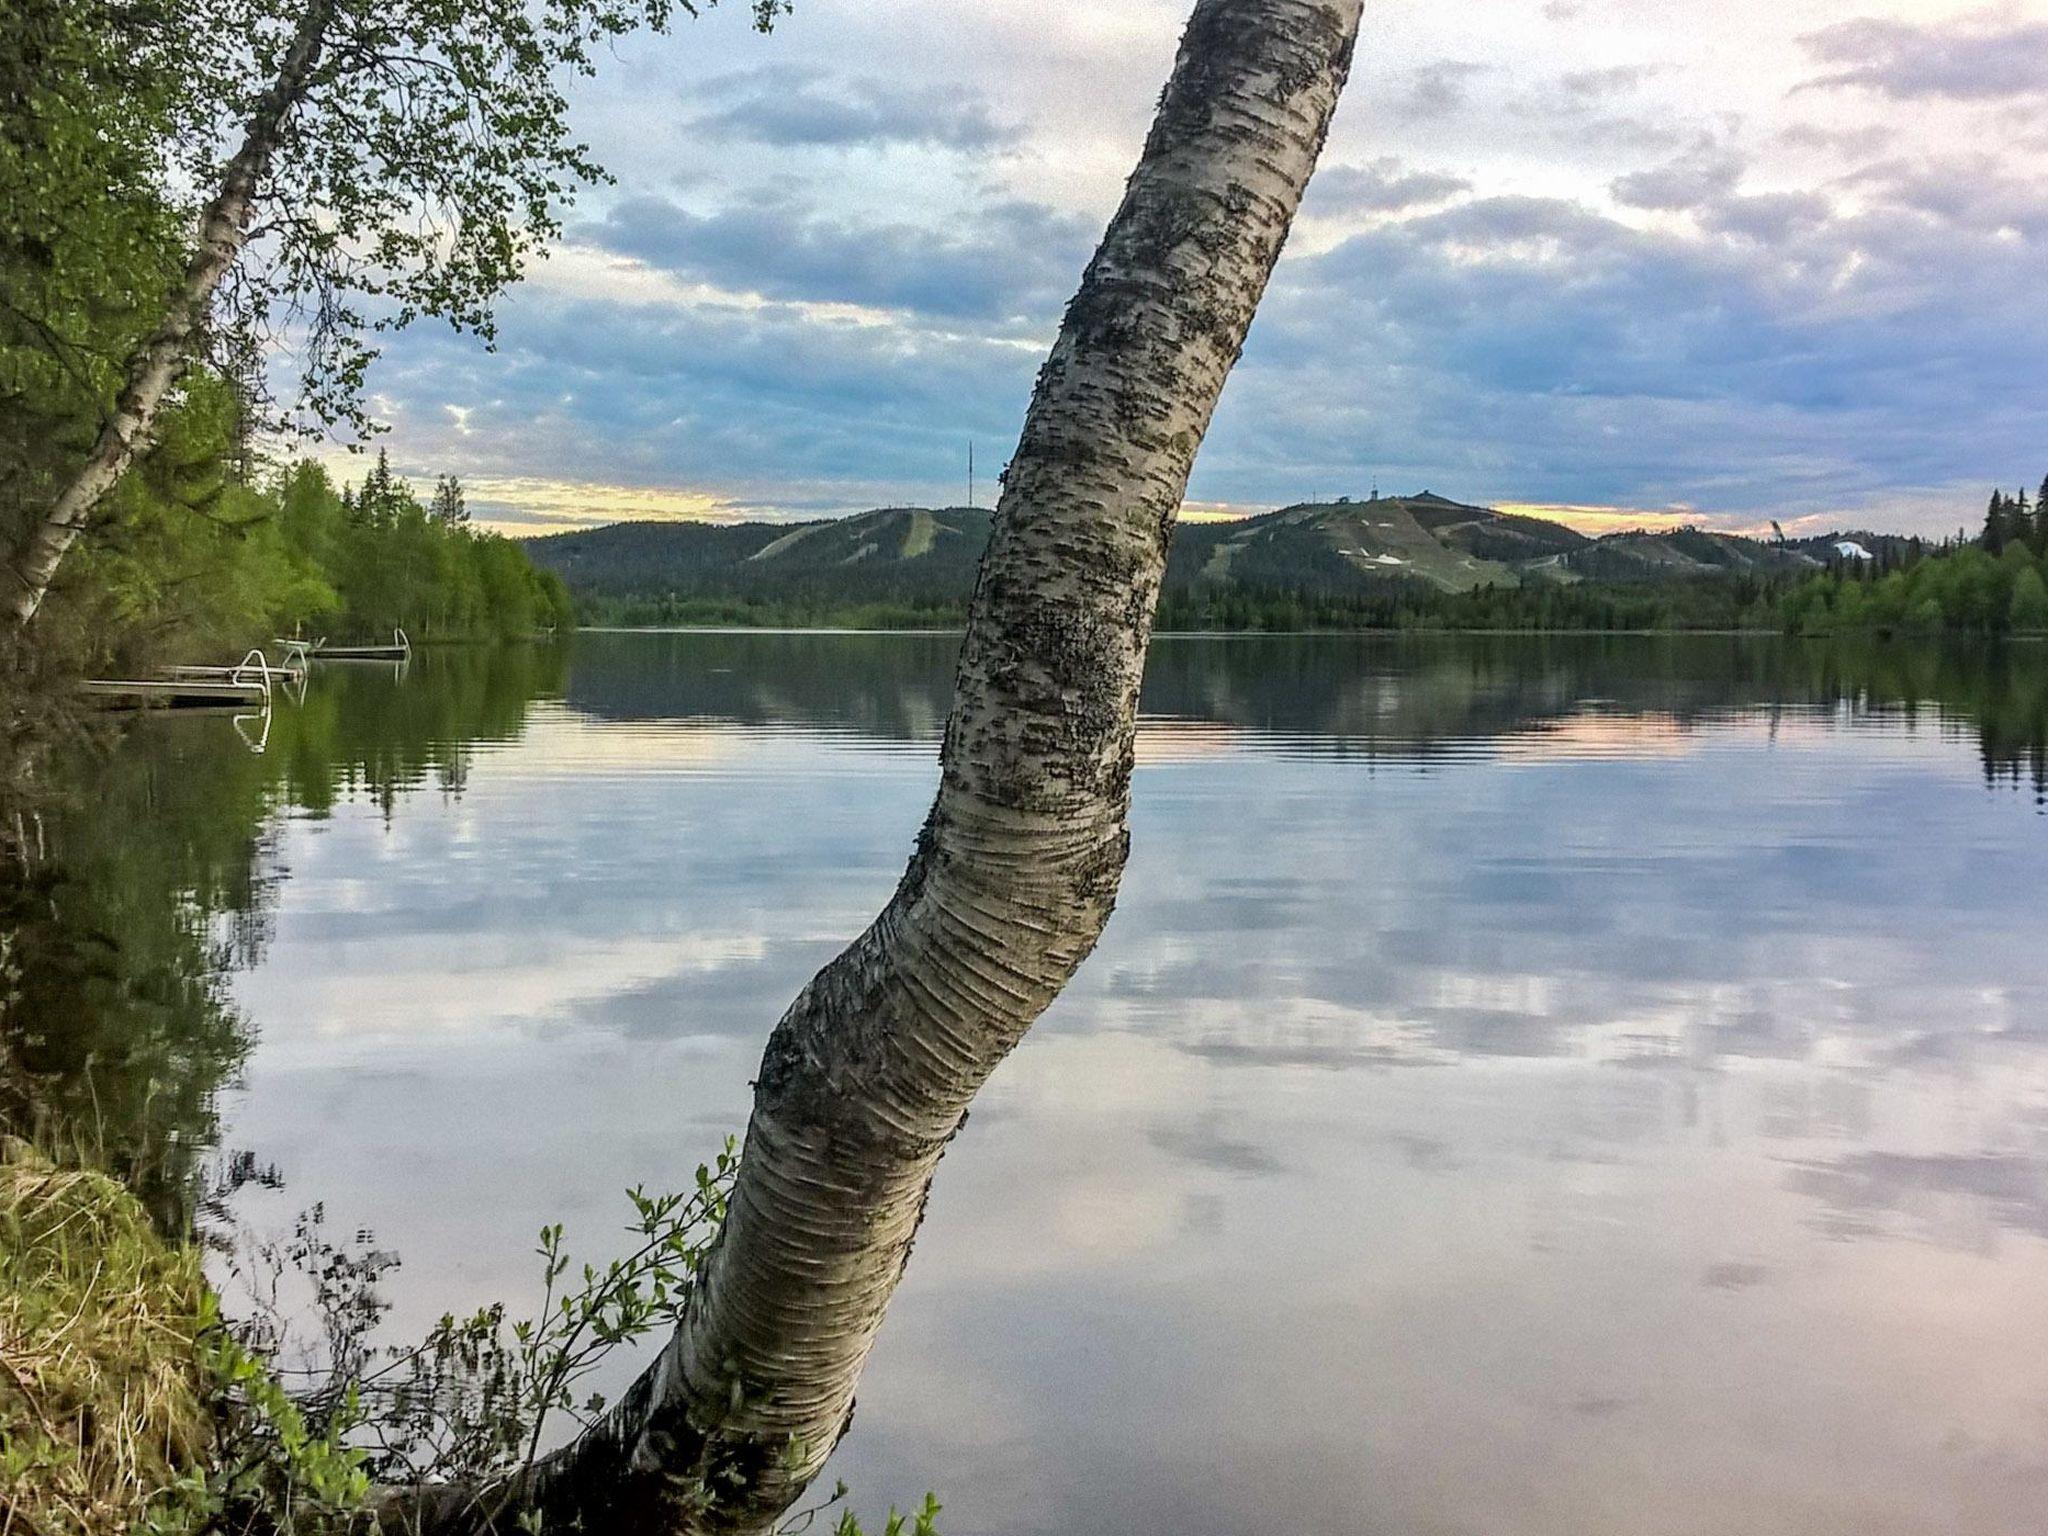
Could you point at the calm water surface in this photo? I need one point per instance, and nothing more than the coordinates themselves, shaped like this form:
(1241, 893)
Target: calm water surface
(1529, 1088)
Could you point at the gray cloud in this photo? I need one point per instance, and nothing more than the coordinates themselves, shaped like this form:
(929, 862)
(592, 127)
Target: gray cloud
(1769, 217)
(1438, 90)
(790, 106)
(1385, 186)
(1012, 260)
(1579, 112)
(1787, 357)
(1704, 173)
(1849, 143)
(1973, 192)
(768, 402)
(1593, 85)
(1967, 61)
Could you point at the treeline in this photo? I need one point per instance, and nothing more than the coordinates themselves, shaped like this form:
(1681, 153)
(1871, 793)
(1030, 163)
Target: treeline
(1707, 603)
(203, 552)
(390, 561)
(799, 611)
(1994, 584)
(203, 559)
(1739, 602)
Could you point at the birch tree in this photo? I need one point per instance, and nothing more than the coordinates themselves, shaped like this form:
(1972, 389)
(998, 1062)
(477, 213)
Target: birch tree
(870, 1073)
(392, 159)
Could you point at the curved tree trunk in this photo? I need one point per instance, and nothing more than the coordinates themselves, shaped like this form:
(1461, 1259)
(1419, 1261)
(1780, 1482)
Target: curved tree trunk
(155, 365)
(871, 1071)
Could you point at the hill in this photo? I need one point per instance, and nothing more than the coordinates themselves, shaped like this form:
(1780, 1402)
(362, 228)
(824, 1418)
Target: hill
(902, 559)
(900, 563)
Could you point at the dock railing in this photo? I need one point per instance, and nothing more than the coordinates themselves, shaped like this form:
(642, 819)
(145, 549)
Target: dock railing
(253, 670)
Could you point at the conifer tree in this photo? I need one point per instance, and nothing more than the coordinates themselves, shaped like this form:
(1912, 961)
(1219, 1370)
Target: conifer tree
(449, 508)
(1997, 522)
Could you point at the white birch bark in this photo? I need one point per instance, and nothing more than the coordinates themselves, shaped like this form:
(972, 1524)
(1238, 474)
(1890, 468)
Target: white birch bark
(870, 1073)
(154, 367)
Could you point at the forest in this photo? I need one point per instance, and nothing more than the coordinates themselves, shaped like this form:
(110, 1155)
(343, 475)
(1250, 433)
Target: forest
(215, 531)
(197, 562)
(1994, 584)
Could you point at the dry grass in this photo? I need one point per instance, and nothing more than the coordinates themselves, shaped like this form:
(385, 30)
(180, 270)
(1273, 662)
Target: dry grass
(105, 1416)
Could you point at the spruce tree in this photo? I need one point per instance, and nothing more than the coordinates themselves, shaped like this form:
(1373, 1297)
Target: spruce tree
(375, 505)
(449, 508)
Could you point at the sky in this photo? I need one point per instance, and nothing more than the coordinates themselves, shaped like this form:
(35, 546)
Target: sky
(1632, 262)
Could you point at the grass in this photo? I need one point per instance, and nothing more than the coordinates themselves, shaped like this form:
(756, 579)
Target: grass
(106, 1402)
(924, 532)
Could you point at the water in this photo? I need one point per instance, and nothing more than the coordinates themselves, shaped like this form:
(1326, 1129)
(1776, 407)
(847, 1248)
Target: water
(1529, 1088)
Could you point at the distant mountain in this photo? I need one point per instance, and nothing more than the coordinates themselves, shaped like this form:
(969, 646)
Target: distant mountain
(1685, 552)
(918, 558)
(1345, 544)
(904, 556)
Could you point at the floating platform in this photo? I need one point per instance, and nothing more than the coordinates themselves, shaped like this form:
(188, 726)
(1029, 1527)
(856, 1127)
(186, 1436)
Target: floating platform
(362, 653)
(259, 670)
(177, 693)
(400, 649)
(236, 687)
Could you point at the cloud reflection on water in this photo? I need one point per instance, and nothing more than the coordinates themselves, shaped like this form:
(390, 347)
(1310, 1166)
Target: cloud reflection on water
(1714, 1197)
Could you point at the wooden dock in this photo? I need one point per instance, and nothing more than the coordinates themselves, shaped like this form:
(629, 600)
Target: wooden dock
(177, 693)
(244, 686)
(400, 649)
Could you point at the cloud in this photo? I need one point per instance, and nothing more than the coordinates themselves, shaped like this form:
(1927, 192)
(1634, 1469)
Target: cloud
(1578, 115)
(1594, 85)
(1850, 143)
(1768, 217)
(1438, 90)
(1972, 191)
(1599, 520)
(1385, 186)
(529, 504)
(1704, 173)
(790, 106)
(769, 405)
(1783, 358)
(1777, 356)
(1966, 61)
(1011, 260)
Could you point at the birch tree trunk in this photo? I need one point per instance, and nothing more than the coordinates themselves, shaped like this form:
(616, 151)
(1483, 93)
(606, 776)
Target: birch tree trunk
(154, 366)
(869, 1074)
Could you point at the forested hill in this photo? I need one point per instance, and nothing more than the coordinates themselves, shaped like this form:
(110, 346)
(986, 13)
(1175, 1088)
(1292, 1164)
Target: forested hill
(904, 564)
(893, 565)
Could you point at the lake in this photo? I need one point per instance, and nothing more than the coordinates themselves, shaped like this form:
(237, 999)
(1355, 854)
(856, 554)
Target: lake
(1530, 1087)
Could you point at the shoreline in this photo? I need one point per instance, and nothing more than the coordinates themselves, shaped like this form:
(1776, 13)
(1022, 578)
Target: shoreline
(1178, 634)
